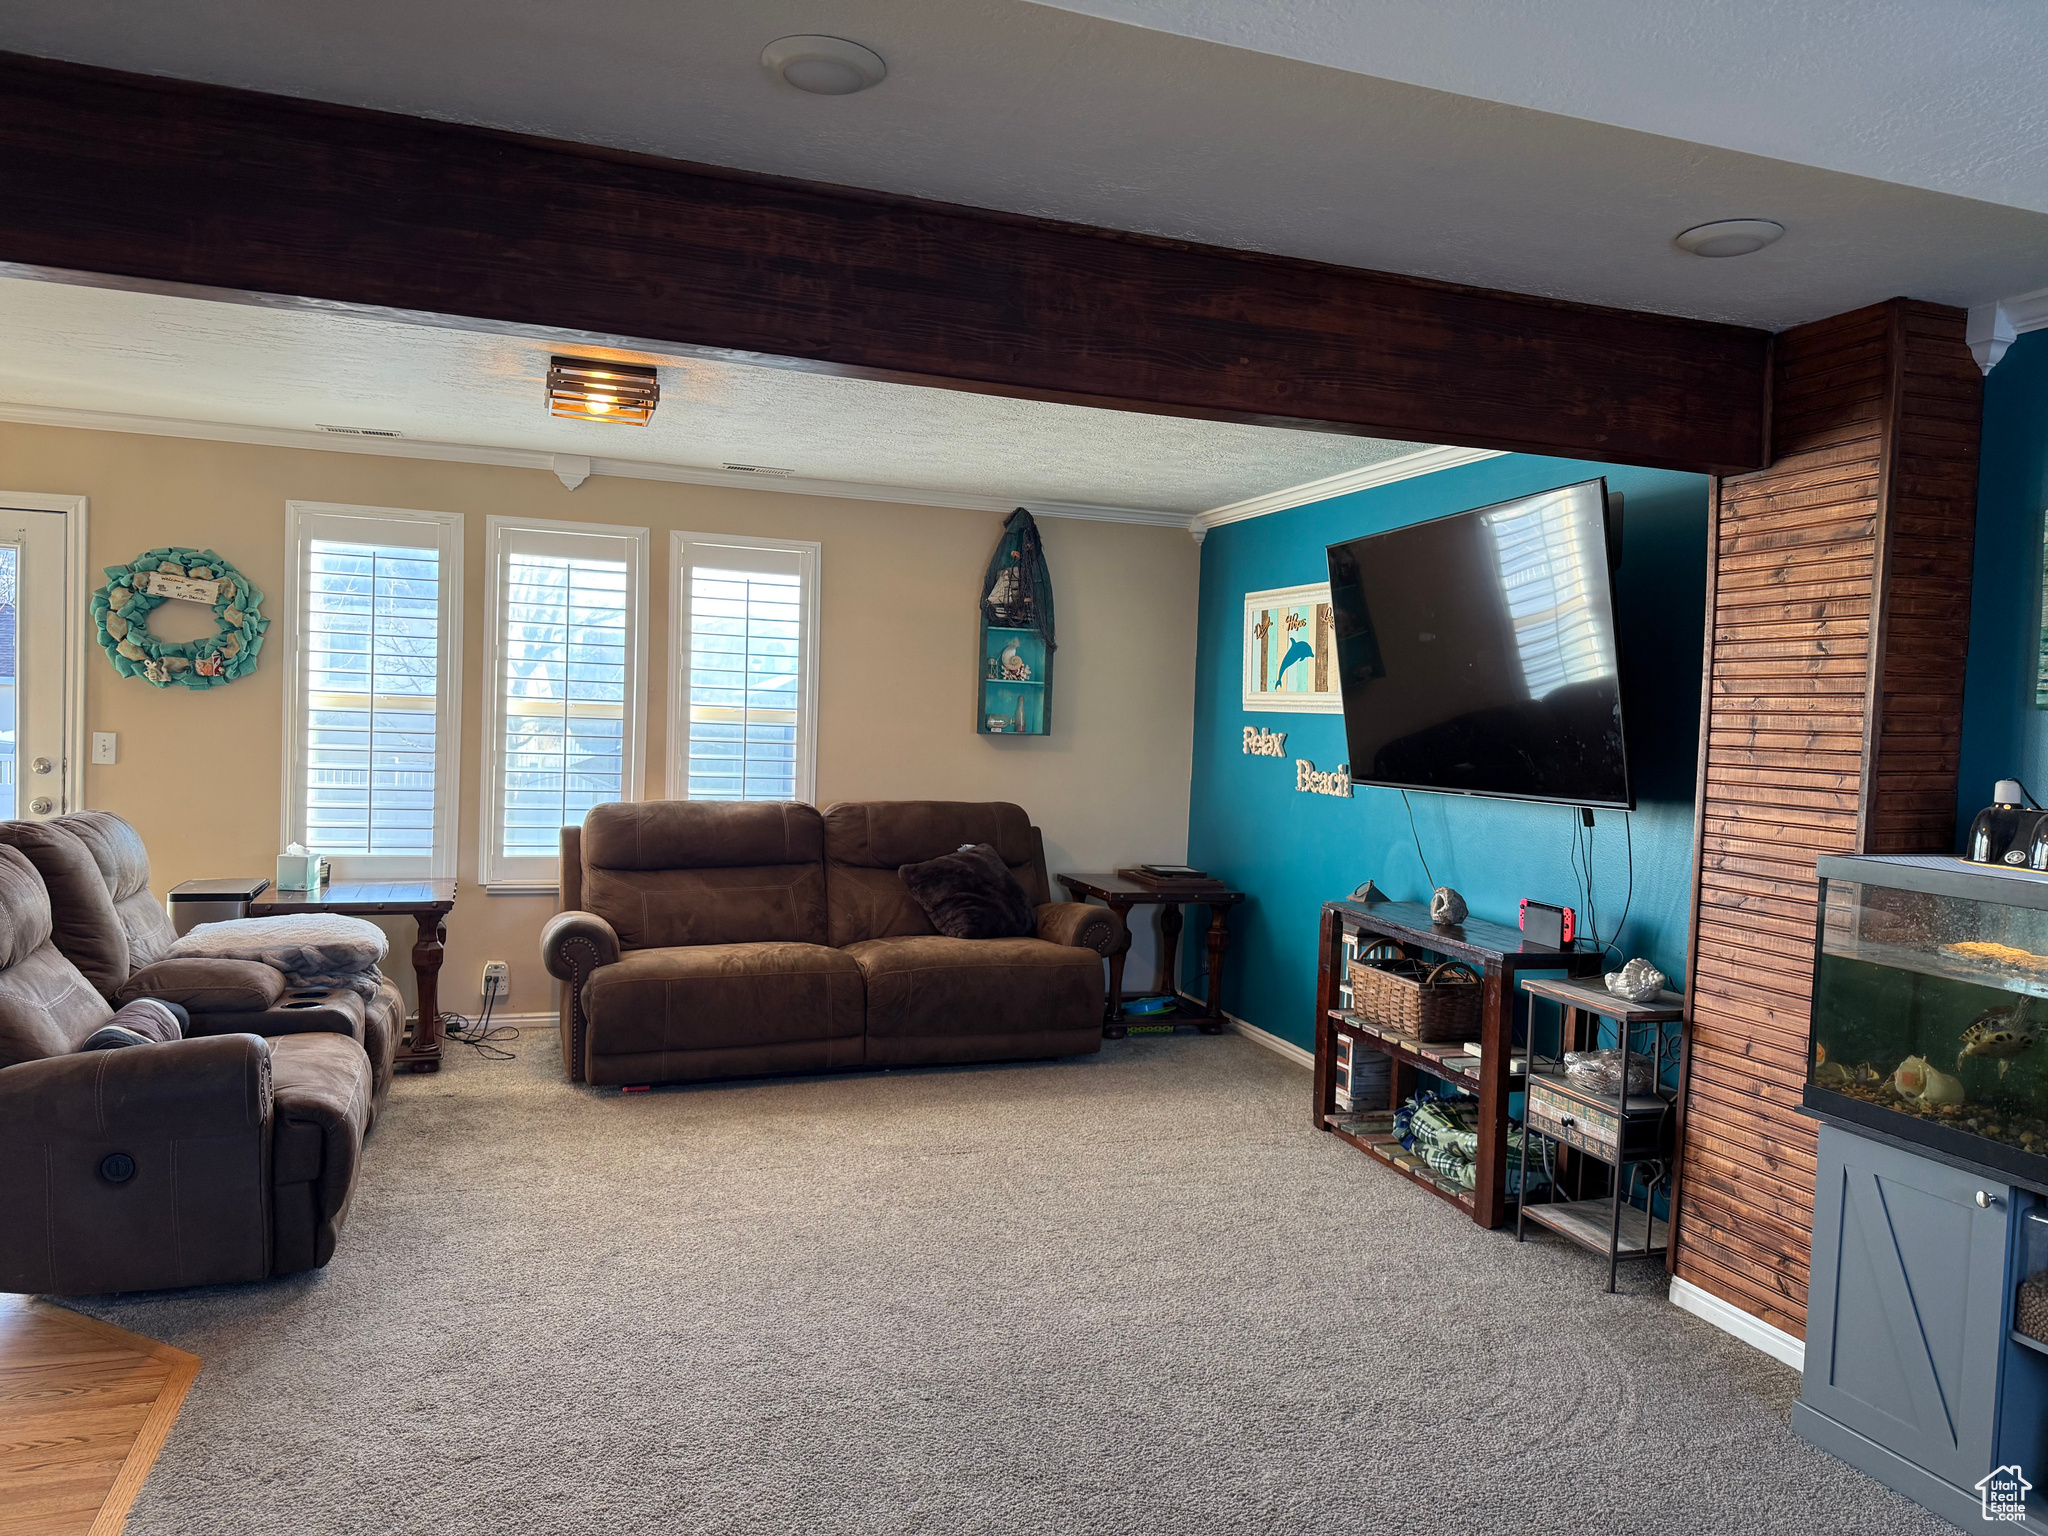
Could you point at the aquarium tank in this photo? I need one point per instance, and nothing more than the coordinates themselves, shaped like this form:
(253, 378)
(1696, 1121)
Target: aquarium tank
(1930, 1007)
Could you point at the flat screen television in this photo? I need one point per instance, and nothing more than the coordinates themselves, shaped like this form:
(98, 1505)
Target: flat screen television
(1477, 653)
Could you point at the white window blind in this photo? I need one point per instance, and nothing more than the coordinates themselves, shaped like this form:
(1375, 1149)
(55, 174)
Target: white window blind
(745, 712)
(1546, 554)
(568, 654)
(371, 760)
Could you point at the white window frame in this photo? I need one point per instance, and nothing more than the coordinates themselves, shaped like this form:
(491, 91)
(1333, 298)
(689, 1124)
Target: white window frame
(516, 875)
(308, 520)
(684, 547)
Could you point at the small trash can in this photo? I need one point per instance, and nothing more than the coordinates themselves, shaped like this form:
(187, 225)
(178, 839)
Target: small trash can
(212, 901)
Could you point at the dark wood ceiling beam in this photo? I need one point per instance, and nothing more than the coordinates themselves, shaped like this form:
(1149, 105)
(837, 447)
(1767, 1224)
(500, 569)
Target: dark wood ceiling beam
(167, 183)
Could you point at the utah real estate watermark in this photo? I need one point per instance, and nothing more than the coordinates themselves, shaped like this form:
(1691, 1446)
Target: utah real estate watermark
(2004, 1495)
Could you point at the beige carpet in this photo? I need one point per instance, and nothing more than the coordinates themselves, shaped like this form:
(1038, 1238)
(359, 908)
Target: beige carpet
(1133, 1293)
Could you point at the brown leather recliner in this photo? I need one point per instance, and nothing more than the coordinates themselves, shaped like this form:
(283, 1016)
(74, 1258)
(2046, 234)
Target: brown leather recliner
(706, 939)
(110, 925)
(197, 1162)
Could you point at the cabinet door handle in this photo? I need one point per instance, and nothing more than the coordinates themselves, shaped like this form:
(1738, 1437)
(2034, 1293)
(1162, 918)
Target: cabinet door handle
(1986, 1199)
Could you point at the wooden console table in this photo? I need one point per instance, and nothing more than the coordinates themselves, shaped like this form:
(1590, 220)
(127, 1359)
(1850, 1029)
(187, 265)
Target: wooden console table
(1499, 955)
(1120, 895)
(427, 903)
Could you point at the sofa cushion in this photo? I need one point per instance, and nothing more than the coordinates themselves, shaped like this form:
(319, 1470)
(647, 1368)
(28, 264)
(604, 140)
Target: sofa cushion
(971, 894)
(718, 996)
(939, 987)
(82, 922)
(868, 841)
(320, 1087)
(206, 985)
(123, 861)
(47, 1007)
(671, 872)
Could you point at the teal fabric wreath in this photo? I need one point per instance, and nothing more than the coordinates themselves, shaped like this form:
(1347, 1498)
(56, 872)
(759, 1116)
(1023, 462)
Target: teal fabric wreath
(120, 616)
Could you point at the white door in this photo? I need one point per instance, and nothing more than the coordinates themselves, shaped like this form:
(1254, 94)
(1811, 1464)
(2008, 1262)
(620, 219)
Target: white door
(33, 655)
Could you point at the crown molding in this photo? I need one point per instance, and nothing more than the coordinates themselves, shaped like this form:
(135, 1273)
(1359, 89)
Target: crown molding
(1424, 461)
(570, 469)
(1995, 326)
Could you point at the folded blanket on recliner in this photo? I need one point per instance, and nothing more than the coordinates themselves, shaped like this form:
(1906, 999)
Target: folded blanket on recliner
(313, 949)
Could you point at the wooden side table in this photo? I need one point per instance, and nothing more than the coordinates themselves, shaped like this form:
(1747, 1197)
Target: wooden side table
(427, 903)
(1120, 895)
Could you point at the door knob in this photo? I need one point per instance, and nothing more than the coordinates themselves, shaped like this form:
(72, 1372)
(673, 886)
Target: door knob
(1986, 1199)
(42, 765)
(42, 805)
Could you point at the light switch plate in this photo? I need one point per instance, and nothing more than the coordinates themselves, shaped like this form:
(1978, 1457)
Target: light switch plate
(105, 747)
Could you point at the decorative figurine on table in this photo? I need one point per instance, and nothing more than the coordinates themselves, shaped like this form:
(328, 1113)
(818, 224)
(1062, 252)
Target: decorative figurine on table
(1446, 907)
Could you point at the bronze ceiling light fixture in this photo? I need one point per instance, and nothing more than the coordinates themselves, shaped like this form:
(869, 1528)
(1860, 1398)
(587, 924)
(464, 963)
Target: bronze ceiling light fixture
(590, 389)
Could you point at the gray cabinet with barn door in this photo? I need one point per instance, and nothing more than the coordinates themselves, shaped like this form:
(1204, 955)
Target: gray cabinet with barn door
(1913, 1371)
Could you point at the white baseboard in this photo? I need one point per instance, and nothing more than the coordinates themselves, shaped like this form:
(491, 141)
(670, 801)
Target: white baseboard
(1269, 1040)
(1729, 1318)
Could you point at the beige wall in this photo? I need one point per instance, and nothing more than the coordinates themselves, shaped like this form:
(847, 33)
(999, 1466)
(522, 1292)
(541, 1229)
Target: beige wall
(200, 773)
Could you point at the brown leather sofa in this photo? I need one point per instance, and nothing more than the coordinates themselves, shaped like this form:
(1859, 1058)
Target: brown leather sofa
(705, 939)
(110, 925)
(204, 1160)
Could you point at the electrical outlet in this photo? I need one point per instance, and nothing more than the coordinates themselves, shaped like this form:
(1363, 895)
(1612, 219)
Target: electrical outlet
(105, 747)
(497, 980)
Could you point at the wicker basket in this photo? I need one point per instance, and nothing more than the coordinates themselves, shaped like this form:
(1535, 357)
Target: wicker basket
(1392, 989)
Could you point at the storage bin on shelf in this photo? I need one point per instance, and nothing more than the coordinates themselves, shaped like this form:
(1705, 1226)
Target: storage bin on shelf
(1436, 1002)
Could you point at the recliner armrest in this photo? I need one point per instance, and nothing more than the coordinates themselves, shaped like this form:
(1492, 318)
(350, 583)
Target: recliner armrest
(185, 1088)
(1081, 925)
(205, 985)
(576, 943)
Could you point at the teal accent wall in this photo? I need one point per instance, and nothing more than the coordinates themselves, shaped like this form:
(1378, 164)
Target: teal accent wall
(1291, 852)
(2004, 735)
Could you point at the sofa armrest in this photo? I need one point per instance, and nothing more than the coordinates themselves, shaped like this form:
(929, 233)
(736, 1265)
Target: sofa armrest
(576, 943)
(1082, 925)
(202, 985)
(185, 1088)
(136, 1169)
(572, 947)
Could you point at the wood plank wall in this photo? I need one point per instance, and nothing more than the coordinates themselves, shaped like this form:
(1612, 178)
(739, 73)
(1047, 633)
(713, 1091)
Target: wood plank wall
(1839, 600)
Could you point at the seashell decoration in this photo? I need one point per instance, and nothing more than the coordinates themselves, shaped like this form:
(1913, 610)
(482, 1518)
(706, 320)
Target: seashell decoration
(1941, 1088)
(1447, 906)
(1638, 981)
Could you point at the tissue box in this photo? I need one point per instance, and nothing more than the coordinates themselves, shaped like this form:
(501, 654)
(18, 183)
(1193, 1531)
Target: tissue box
(300, 871)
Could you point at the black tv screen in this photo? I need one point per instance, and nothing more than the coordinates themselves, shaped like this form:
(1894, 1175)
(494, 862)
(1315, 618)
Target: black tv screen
(1477, 653)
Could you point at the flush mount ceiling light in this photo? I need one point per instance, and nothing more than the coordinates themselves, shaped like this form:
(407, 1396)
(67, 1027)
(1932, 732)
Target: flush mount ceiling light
(824, 66)
(1728, 237)
(590, 389)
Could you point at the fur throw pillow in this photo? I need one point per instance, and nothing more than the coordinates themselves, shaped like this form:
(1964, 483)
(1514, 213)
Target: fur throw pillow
(971, 894)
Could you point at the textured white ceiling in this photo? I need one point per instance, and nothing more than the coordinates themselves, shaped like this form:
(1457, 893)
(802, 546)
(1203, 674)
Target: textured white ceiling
(143, 354)
(1940, 94)
(1032, 109)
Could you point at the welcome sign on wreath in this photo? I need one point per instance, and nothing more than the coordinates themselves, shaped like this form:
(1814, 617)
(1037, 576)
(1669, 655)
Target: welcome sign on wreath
(121, 610)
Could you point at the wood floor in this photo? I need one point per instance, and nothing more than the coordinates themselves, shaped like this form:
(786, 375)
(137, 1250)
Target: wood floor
(84, 1409)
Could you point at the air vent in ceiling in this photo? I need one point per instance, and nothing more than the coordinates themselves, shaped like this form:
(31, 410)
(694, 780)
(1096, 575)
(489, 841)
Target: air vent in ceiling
(357, 431)
(759, 469)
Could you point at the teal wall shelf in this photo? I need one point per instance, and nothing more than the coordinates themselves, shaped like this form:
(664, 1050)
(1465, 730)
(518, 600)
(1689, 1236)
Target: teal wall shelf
(1013, 686)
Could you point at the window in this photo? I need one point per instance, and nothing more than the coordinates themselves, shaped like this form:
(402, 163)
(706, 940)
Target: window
(744, 718)
(375, 606)
(567, 639)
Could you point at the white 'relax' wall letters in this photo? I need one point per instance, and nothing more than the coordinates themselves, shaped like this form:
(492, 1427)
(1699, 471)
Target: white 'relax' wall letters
(1263, 743)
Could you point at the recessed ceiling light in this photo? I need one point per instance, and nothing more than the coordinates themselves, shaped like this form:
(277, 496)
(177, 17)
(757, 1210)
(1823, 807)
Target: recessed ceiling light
(824, 66)
(591, 389)
(1728, 237)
